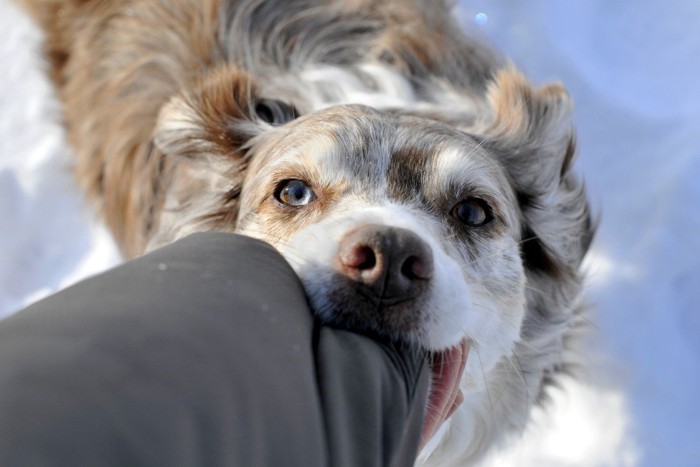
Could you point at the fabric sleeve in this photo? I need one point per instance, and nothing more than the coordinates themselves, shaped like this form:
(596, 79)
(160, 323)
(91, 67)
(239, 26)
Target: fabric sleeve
(202, 353)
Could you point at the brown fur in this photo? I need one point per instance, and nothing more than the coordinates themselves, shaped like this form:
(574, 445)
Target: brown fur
(114, 69)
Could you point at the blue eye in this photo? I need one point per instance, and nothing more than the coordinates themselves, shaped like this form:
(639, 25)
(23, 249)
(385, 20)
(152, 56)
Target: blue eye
(294, 193)
(472, 212)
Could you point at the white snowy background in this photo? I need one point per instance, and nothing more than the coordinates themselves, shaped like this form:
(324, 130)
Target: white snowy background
(633, 69)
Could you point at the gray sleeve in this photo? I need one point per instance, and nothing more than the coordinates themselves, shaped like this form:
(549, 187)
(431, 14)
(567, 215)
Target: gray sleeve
(203, 353)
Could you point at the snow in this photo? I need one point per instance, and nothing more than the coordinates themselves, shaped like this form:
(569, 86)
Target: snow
(632, 68)
(48, 239)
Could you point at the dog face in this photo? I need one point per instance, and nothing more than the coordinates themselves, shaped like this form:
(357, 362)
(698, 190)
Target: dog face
(396, 225)
(442, 227)
(457, 235)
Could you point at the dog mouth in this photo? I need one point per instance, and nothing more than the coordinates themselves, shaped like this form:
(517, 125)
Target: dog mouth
(447, 368)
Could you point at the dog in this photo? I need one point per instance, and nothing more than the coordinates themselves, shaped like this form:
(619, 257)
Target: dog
(418, 184)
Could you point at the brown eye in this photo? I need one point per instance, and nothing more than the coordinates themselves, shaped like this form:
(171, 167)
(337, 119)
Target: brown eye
(294, 193)
(473, 212)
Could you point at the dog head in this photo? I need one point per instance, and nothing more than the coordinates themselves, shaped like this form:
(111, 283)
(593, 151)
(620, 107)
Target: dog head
(401, 218)
(396, 225)
(413, 225)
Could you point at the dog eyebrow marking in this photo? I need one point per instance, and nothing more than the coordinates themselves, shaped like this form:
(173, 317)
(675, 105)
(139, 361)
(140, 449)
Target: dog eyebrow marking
(417, 148)
(405, 174)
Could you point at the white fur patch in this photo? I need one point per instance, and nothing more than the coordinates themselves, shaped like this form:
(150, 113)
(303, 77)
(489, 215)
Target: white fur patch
(376, 85)
(373, 85)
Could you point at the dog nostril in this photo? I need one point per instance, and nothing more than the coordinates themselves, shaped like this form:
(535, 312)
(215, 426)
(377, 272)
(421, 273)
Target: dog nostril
(366, 258)
(414, 268)
(361, 257)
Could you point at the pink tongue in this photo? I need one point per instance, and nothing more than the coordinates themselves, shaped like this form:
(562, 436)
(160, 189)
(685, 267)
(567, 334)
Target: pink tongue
(445, 394)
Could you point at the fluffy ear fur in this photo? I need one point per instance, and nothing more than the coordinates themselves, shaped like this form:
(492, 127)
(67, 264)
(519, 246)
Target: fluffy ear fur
(215, 117)
(203, 136)
(530, 130)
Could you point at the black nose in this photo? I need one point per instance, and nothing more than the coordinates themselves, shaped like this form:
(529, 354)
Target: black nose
(388, 262)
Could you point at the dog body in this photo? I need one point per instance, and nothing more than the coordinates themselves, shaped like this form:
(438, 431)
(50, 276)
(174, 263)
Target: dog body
(419, 186)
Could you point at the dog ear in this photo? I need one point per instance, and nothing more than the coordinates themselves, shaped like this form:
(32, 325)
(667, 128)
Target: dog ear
(219, 116)
(203, 136)
(530, 131)
(214, 118)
